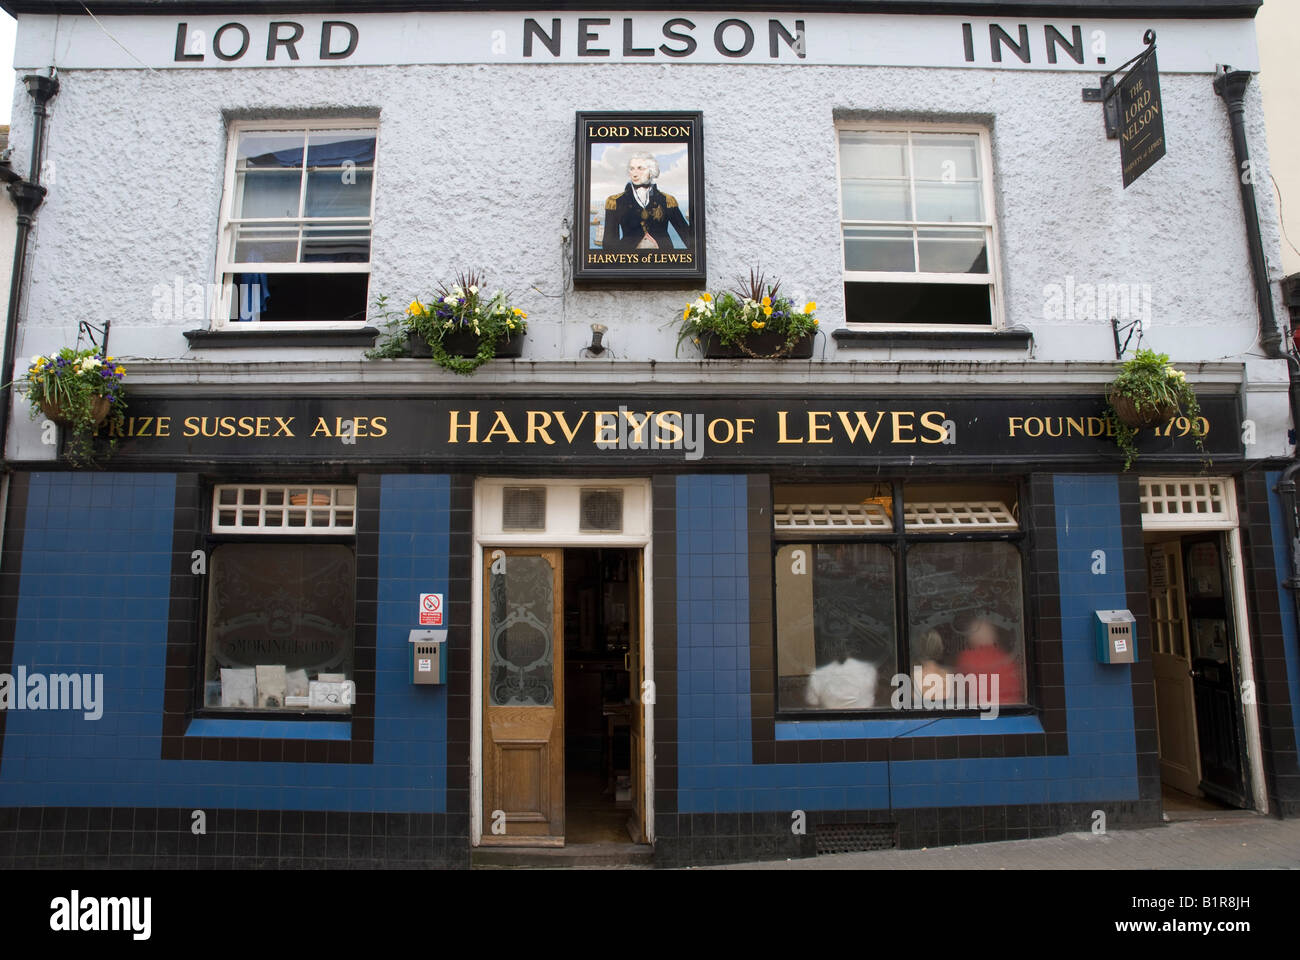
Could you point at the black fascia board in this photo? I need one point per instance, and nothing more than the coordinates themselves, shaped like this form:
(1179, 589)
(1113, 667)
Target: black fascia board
(1038, 8)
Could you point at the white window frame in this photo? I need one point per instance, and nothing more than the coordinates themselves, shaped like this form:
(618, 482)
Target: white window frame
(226, 269)
(992, 280)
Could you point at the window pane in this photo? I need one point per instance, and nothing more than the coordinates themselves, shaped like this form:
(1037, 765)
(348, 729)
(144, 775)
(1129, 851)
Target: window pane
(268, 193)
(336, 243)
(965, 618)
(283, 149)
(279, 617)
(917, 303)
(939, 156)
(835, 626)
(338, 193)
(877, 200)
(873, 155)
(338, 148)
(879, 249)
(952, 251)
(949, 202)
(299, 296)
(263, 243)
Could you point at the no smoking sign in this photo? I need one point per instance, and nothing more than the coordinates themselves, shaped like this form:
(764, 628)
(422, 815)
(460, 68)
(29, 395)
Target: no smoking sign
(431, 609)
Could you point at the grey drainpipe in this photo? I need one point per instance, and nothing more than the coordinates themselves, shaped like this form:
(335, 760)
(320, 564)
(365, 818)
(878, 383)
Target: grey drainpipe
(28, 195)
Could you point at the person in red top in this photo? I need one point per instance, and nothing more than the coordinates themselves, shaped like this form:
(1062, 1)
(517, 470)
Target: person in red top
(984, 656)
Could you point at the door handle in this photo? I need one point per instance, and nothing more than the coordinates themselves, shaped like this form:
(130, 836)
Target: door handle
(627, 661)
(1196, 674)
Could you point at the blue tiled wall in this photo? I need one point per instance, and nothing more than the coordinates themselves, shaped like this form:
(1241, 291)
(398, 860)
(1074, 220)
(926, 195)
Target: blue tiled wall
(1285, 599)
(716, 772)
(93, 597)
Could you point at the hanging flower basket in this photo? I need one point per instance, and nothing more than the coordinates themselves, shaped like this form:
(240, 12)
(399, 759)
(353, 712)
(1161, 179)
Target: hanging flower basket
(79, 390)
(54, 411)
(1131, 414)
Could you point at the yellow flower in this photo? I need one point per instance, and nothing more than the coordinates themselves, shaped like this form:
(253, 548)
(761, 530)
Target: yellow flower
(686, 314)
(758, 324)
(517, 311)
(119, 370)
(809, 307)
(523, 315)
(416, 307)
(706, 297)
(767, 310)
(816, 322)
(767, 302)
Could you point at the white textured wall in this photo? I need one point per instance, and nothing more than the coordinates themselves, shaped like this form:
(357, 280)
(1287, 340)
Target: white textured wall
(476, 168)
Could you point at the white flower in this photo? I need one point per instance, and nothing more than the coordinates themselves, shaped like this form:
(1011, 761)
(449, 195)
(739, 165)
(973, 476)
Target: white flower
(36, 359)
(449, 300)
(473, 289)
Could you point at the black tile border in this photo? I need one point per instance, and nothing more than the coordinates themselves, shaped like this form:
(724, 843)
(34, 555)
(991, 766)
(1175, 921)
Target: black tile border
(704, 838)
(1142, 673)
(663, 497)
(459, 680)
(185, 640)
(11, 575)
(149, 838)
(1045, 654)
(1264, 599)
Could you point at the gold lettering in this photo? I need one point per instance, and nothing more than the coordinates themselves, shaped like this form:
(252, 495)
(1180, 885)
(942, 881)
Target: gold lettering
(815, 427)
(731, 430)
(321, 427)
(378, 427)
(669, 420)
(501, 425)
(783, 435)
(899, 426)
(164, 426)
(282, 427)
(1073, 425)
(1012, 423)
(472, 426)
(190, 427)
(933, 420)
(564, 425)
(637, 428)
(602, 427)
(862, 427)
(539, 421)
(743, 431)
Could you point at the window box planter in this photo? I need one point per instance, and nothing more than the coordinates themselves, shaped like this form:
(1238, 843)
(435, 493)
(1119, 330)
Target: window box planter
(757, 346)
(464, 345)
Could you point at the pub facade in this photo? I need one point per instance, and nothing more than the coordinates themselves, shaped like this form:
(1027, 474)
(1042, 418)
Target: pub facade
(316, 603)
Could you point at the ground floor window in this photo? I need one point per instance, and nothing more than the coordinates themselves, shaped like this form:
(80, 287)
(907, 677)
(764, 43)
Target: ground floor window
(899, 596)
(279, 630)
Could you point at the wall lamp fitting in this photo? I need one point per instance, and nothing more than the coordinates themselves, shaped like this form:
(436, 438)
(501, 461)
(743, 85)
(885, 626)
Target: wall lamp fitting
(596, 347)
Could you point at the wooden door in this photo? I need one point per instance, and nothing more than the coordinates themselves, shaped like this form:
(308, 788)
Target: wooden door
(636, 676)
(1171, 665)
(523, 698)
(1213, 670)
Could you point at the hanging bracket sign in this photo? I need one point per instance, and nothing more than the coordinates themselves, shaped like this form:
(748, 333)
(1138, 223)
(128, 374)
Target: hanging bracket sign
(1134, 112)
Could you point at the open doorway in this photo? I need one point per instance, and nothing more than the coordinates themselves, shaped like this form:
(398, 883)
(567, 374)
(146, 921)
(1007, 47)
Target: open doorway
(1203, 764)
(600, 617)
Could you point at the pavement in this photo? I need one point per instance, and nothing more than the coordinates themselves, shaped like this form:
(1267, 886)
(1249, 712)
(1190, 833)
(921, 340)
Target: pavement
(1236, 842)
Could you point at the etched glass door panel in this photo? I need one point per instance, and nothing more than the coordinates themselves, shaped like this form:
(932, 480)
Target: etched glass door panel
(521, 644)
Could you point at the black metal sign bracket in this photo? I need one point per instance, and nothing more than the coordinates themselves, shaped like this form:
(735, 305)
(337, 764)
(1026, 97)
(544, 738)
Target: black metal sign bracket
(1105, 94)
(1132, 327)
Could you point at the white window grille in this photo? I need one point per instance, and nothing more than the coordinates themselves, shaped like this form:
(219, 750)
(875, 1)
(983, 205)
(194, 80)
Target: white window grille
(1181, 501)
(285, 509)
(830, 517)
(958, 515)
